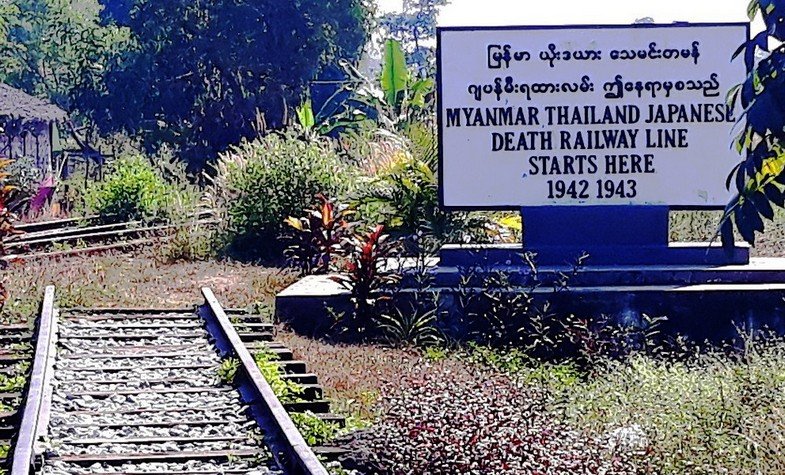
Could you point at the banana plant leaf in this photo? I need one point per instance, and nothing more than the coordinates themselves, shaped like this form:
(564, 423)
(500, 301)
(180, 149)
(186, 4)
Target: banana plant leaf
(395, 75)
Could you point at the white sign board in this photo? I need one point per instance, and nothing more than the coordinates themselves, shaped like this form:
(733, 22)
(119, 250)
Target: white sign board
(600, 115)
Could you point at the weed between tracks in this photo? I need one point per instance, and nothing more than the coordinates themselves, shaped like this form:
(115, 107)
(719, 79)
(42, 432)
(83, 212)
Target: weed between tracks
(313, 429)
(228, 370)
(10, 384)
(285, 390)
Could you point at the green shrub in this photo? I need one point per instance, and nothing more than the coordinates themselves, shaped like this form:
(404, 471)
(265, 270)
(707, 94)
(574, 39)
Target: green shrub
(259, 184)
(132, 190)
(402, 192)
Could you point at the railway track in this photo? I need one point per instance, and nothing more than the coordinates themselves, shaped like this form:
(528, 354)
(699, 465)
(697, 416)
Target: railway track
(89, 235)
(138, 391)
(15, 359)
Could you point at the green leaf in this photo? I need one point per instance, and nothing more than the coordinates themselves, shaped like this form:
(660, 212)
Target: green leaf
(752, 9)
(761, 202)
(774, 194)
(419, 90)
(733, 93)
(305, 115)
(395, 76)
(743, 227)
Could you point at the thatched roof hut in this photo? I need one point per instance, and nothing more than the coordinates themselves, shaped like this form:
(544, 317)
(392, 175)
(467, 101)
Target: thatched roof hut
(27, 126)
(17, 104)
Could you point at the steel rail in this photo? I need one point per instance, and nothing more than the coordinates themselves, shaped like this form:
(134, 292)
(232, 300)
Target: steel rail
(288, 446)
(93, 234)
(55, 223)
(34, 416)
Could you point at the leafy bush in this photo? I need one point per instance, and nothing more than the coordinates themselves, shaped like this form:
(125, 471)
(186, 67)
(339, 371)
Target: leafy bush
(258, 184)
(368, 278)
(404, 195)
(317, 238)
(132, 190)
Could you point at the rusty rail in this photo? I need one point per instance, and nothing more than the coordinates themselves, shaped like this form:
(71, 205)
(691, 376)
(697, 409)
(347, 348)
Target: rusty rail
(37, 239)
(35, 412)
(288, 446)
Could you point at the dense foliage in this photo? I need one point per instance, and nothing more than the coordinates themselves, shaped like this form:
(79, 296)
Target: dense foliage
(259, 184)
(401, 191)
(55, 48)
(202, 76)
(760, 177)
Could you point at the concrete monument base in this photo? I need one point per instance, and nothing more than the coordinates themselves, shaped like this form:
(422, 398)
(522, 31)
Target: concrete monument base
(631, 270)
(702, 302)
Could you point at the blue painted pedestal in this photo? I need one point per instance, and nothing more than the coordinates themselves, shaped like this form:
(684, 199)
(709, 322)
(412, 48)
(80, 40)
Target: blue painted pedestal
(610, 235)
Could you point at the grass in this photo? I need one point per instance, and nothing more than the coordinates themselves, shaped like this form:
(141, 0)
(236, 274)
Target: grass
(692, 226)
(710, 414)
(122, 280)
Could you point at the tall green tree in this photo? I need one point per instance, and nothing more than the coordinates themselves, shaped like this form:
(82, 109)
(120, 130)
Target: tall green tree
(55, 48)
(202, 72)
(414, 27)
